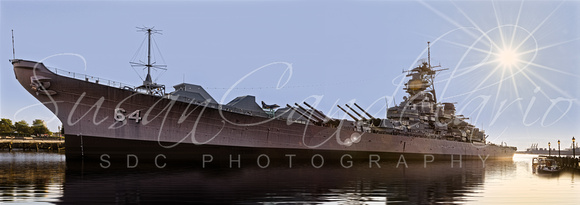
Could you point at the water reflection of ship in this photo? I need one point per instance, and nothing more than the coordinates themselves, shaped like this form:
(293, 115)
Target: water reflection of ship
(437, 183)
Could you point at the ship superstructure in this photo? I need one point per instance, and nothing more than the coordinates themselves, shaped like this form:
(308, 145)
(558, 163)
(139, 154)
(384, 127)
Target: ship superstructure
(419, 114)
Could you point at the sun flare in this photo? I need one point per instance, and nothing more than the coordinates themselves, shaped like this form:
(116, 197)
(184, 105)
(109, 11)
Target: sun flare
(508, 57)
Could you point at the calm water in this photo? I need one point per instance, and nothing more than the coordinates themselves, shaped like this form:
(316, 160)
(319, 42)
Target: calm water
(46, 178)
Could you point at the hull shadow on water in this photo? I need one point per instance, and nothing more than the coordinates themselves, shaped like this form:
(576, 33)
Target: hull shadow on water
(88, 182)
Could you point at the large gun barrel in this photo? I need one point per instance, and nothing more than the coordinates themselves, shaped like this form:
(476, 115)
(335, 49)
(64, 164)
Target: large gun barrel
(364, 111)
(302, 114)
(355, 119)
(326, 118)
(310, 113)
(355, 112)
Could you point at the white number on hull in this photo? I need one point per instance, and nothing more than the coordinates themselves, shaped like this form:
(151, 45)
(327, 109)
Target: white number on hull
(135, 116)
(120, 115)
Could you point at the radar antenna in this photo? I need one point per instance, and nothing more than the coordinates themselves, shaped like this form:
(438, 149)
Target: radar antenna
(148, 85)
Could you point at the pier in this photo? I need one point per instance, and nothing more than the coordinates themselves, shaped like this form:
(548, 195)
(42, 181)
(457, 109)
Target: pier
(31, 143)
(567, 162)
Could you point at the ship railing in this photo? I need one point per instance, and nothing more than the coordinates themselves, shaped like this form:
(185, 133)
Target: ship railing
(92, 79)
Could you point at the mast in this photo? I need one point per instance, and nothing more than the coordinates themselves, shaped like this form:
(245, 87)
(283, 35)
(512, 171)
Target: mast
(13, 51)
(148, 78)
(429, 53)
(431, 68)
(149, 86)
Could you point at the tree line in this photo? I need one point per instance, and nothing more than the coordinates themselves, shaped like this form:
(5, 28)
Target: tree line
(21, 127)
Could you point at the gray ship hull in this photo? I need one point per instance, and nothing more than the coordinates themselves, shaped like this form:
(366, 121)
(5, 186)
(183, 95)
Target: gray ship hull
(106, 122)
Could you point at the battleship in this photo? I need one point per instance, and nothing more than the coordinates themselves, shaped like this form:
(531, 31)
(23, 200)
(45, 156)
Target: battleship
(107, 120)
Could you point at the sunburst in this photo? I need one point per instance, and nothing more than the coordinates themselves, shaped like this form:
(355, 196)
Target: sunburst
(505, 59)
(509, 49)
(508, 57)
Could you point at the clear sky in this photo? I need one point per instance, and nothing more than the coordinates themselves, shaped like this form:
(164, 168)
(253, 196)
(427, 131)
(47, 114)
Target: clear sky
(513, 65)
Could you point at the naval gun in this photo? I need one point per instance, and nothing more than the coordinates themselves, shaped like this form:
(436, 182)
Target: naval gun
(374, 121)
(314, 116)
(327, 120)
(364, 111)
(355, 112)
(353, 117)
(310, 113)
(306, 116)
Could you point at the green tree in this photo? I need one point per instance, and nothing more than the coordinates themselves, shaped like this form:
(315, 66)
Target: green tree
(22, 127)
(39, 128)
(6, 126)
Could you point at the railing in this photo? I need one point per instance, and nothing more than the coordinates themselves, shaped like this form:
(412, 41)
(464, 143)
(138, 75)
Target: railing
(92, 79)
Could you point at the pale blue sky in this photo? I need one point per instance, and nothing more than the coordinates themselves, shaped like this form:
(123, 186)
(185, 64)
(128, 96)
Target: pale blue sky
(341, 50)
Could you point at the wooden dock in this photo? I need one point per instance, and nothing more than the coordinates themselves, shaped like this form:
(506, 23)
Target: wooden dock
(31, 143)
(567, 162)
